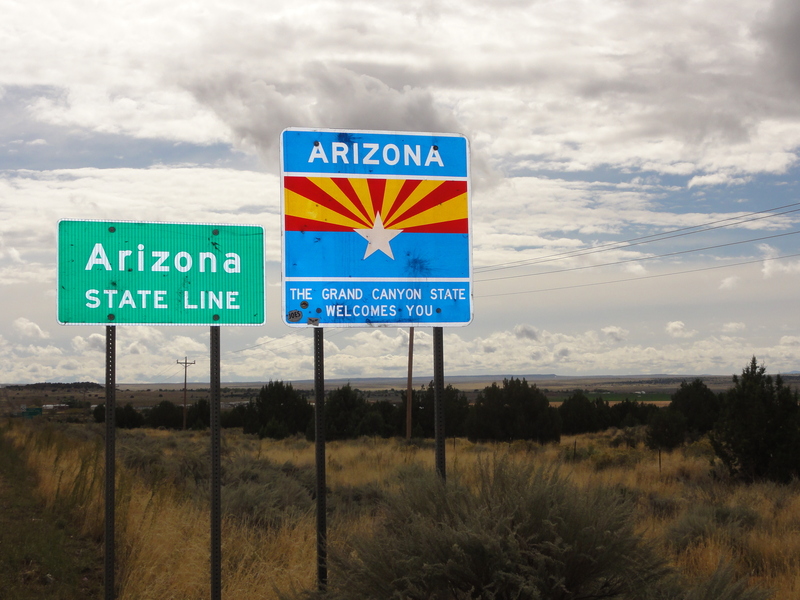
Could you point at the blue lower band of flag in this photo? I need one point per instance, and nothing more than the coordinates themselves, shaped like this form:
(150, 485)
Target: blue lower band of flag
(341, 254)
(377, 303)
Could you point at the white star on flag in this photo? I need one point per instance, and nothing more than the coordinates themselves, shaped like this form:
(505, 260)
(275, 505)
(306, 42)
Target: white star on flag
(378, 238)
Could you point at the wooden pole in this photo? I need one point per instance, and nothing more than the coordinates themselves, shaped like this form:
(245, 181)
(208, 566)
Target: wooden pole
(409, 391)
(185, 364)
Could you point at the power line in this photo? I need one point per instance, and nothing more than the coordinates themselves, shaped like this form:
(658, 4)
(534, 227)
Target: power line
(161, 372)
(643, 239)
(702, 228)
(642, 258)
(167, 378)
(647, 239)
(642, 278)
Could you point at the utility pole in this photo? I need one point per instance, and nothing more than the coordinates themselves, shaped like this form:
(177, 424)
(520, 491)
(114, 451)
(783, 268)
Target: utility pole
(409, 393)
(185, 364)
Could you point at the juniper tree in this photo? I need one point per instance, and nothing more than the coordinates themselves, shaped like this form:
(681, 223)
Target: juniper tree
(758, 433)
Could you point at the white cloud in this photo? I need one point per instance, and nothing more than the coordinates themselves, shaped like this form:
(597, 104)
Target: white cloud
(716, 179)
(383, 353)
(616, 334)
(677, 329)
(635, 269)
(733, 327)
(27, 328)
(637, 95)
(650, 119)
(772, 265)
(526, 332)
(40, 352)
(92, 343)
(158, 114)
(40, 199)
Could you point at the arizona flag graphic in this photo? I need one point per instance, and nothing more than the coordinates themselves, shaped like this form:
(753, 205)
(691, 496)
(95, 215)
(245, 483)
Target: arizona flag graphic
(375, 229)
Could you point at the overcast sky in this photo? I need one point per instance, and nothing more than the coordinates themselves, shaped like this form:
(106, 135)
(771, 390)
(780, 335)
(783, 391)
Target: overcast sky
(599, 132)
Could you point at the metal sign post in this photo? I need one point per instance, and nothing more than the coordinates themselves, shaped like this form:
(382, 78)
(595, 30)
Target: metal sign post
(319, 428)
(409, 391)
(216, 469)
(111, 353)
(438, 400)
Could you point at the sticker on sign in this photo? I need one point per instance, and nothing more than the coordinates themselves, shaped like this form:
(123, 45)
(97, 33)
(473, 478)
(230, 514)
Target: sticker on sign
(376, 229)
(145, 273)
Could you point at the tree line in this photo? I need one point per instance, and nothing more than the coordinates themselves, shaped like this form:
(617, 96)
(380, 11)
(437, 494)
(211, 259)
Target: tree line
(754, 427)
(513, 410)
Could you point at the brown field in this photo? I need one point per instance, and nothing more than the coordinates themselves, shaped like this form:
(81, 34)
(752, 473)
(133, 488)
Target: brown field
(683, 502)
(656, 388)
(12, 398)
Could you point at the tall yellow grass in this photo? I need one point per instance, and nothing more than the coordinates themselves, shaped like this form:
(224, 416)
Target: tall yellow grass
(163, 538)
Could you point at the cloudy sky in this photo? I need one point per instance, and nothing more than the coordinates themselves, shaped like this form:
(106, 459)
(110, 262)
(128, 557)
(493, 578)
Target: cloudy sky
(635, 195)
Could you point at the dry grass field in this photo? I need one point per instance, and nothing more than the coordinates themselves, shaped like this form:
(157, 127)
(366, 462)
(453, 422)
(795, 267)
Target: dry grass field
(683, 502)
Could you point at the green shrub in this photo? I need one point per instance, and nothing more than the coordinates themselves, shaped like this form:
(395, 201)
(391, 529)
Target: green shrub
(306, 476)
(704, 522)
(577, 454)
(522, 533)
(261, 493)
(519, 532)
(143, 459)
(722, 585)
(265, 504)
(355, 499)
(190, 468)
(701, 448)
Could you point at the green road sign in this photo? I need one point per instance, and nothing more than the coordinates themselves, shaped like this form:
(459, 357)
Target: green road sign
(134, 273)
